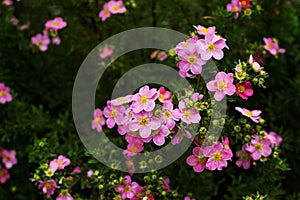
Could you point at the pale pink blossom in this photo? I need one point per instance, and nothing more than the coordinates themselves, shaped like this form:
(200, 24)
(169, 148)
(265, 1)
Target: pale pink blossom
(56, 24)
(48, 187)
(56, 40)
(105, 52)
(203, 30)
(122, 100)
(259, 147)
(98, 120)
(179, 135)
(7, 2)
(253, 115)
(89, 173)
(144, 99)
(274, 138)
(211, 46)
(9, 158)
(234, 7)
(5, 95)
(42, 41)
(197, 160)
(222, 85)
(114, 114)
(162, 56)
(4, 175)
(160, 135)
(116, 7)
(244, 158)
(255, 65)
(187, 115)
(59, 163)
(104, 13)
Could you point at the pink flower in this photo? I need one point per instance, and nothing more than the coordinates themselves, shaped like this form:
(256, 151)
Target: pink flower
(7, 2)
(116, 7)
(114, 114)
(234, 7)
(254, 114)
(187, 115)
(76, 170)
(244, 158)
(104, 13)
(223, 84)
(14, 21)
(56, 24)
(244, 3)
(188, 198)
(48, 187)
(163, 95)
(154, 54)
(227, 150)
(64, 195)
(211, 46)
(259, 147)
(144, 99)
(60, 163)
(42, 41)
(106, 52)
(4, 175)
(162, 56)
(5, 95)
(9, 158)
(160, 134)
(166, 184)
(98, 121)
(244, 89)
(255, 65)
(217, 157)
(56, 40)
(167, 115)
(129, 188)
(203, 31)
(270, 46)
(121, 100)
(179, 134)
(144, 123)
(274, 138)
(197, 160)
(24, 26)
(133, 149)
(89, 173)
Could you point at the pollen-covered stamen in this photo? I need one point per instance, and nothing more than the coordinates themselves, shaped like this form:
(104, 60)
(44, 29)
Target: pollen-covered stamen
(168, 113)
(113, 113)
(241, 88)
(201, 159)
(211, 47)
(192, 59)
(248, 113)
(204, 30)
(258, 146)
(144, 99)
(134, 149)
(186, 114)
(217, 156)
(222, 85)
(127, 188)
(48, 186)
(144, 121)
(2, 93)
(116, 8)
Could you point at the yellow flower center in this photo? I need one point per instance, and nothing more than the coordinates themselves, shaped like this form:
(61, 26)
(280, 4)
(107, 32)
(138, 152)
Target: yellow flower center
(201, 159)
(3, 93)
(144, 121)
(241, 88)
(144, 99)
(97, 120)
(116, 8)
(48, 186)
(161, 96)
(235, 9)
(40, 43)
(2, 174)
(249, 113)
(168, 113)
(217, 156)
(270, 46)
(59, 163)
(192, 59)
(113, 113)
(133, 149)
(121, 99)
(55, 24)
(127, 188)
(204, 30)
(244, 156)
(186, 44)
(222, 85)
(187, 114)
(243, 3)
(258, 146)
(106, 11)
(211, 47)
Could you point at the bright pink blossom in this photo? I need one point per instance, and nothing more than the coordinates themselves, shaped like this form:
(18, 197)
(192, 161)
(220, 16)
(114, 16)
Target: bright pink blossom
(98, 121)
(48, 187)
(244, 89)
(274, 138)
(167, 184)
(197, 160)
(164, 96)
(4, 175)
(217, 156)
(56, 24)
(128, 189)
(104, 13)
(116, 7)
(222, 85)
(59, 163)
(144, 99)
(244, 3)
(133, 149)
(5, 95)
(203, 30)
(42, 41)
(106, 52)
(259, 147)
(56, 40)
(162, 56)
(64, 195)
(144, 123)
(234, 7)
(253, 115)
(114, 114)
(9, 158)
(211, 46)
(167, 115)
(244, 158)
(271, 45)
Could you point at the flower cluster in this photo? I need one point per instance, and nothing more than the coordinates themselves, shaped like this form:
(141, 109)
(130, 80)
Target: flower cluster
(260, 146)
(112, 7)
(141, 122)
(49, 186)
(195, 52)
(8, 159)
(50, 34)
(271, 45)
(236, 6)
(210, 157)
(160, 55)
(105, 52)
(5, 95)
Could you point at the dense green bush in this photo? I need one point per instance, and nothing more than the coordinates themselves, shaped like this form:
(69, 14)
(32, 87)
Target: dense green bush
(38, 122)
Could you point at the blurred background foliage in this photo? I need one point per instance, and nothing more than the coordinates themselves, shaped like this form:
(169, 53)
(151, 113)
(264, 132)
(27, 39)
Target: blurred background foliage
(41, 84)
